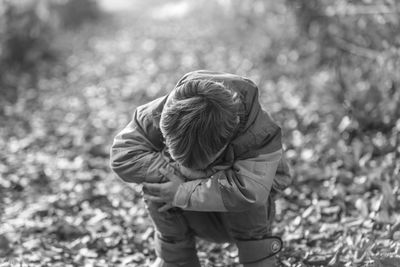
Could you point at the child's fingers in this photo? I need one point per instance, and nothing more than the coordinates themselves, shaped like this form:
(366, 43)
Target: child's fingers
(165, 207)
(163, 172)
(152, 188)
(153, 198)
(170, 175)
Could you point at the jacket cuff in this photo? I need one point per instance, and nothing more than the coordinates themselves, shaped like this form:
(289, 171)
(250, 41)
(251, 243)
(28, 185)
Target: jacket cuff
(183, 194)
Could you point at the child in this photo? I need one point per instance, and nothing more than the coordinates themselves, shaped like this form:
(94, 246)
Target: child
(210, 160)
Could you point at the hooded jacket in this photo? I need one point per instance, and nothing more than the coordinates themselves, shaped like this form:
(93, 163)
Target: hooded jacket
(252, 164)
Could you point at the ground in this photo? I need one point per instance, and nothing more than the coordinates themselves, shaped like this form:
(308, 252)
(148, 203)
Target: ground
(62, 206)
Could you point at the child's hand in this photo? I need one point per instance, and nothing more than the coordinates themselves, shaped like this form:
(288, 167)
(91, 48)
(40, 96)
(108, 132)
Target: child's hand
(192, 174)
(165, 192)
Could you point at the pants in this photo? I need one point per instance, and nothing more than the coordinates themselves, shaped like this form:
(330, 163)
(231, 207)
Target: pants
(250, 230)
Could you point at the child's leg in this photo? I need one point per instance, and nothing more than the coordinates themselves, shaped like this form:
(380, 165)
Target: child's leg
(208, 225)
(251, 231)
(174, 241)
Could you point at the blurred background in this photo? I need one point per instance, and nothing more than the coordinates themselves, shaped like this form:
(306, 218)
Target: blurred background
(73, 71)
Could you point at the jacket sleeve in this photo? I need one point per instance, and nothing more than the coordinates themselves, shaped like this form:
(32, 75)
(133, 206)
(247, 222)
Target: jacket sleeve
(283, 177)
(236, 189)
(134, 157)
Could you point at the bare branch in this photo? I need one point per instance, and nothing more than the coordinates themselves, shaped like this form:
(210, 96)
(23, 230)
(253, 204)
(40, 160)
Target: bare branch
(355, 49)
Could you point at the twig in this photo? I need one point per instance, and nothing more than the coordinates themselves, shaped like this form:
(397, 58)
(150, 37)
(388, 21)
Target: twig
(355, 49)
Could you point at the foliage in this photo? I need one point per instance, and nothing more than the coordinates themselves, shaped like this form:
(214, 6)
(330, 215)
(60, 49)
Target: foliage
(74, 13)
(359, 38)
(60, 205)
(28, 30)
(28, 27)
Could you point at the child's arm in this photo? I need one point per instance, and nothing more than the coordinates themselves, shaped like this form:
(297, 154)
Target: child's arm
(283, 177)
(246, 184)
(137, 153)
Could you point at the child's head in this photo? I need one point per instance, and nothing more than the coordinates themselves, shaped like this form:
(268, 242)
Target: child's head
(198, 120)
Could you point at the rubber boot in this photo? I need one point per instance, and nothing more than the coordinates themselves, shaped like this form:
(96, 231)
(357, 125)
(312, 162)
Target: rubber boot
(269, 262)
(173, 253)
(259, 253)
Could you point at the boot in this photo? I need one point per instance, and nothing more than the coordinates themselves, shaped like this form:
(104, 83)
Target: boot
(259, 253)
(269, 262)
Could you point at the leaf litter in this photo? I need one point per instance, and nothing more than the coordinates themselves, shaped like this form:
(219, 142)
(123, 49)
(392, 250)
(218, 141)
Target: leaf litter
(61, 206)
